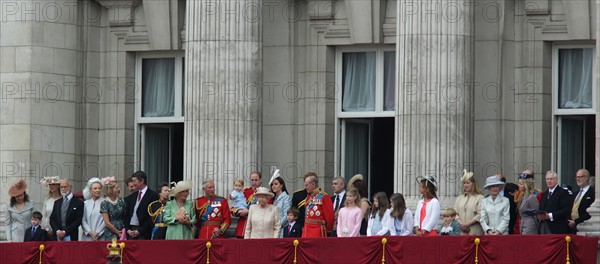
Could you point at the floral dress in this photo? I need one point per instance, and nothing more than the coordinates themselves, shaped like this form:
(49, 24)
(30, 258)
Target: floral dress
(116, 214)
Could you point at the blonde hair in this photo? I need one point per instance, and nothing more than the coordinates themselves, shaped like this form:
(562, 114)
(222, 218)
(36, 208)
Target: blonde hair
(239, 180)
(108, 188)
(449, 212)
(353, 192)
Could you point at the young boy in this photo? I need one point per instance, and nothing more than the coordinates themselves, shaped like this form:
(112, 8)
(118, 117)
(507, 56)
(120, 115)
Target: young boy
(237, 195)
(450, 227)
(35, 232)
(292, 229)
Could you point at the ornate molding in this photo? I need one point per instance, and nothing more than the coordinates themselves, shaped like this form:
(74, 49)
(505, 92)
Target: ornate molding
(321, 9)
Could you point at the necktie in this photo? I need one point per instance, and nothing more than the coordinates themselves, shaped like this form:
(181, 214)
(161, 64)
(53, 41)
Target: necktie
(578, 198)
(139, 196)
(66, 200)
(550, 194)
(336, 203)
(289, 230)
(33, 231)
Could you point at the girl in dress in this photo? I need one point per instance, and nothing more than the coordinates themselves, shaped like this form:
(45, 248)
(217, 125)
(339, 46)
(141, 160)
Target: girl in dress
(401, 218)
(379, 217)
(428, 208)
(350, 216)
(113, 210)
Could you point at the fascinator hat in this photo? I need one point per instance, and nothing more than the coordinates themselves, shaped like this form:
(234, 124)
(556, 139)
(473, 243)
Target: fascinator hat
(47, 180)
(276, 174)
(466, 176)
(355, 178)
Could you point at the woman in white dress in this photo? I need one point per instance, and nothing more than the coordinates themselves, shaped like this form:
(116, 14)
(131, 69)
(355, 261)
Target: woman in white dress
(53, 185)
(18, 215)
(92, 222)
(263, 218)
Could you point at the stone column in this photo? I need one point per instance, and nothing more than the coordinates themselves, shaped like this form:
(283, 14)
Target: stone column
(434, 112)
(223, 64)
(592, 227)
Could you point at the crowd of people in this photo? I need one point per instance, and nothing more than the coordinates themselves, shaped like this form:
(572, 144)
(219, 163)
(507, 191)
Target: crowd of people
(101, 214)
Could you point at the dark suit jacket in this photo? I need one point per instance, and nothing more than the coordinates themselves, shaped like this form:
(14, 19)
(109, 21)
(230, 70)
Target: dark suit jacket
(73, 220)
(513, 212)
(333, 232)
(40, 235)
(296, 231)
(298, 201)
(586, 201)
(146, 223)
(559, 204)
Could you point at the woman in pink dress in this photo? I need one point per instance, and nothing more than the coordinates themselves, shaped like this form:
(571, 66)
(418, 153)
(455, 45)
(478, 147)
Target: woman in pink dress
(350, 216)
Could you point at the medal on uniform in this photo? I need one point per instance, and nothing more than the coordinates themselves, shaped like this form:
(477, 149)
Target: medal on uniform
(312, 213)
(318, 213)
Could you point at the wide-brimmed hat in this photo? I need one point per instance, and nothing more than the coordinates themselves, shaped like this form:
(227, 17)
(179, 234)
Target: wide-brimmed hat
(428, 180)
(491, 181)
(47, 180)
(264, 191)
(180, 186)
(18, 188)
(355, 178)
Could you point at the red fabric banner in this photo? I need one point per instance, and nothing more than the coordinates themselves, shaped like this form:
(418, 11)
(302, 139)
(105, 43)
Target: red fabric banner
(441, 249)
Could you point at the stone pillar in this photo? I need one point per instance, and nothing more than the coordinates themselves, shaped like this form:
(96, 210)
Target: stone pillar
(434, 112)
(592, 227)
(223, 66)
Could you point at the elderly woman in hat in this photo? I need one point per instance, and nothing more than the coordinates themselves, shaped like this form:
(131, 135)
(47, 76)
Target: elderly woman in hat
(18, 215)
(53, 185)
(92, 222)
(179, 213)
(468, 206)
(263, 218)
(495, 209)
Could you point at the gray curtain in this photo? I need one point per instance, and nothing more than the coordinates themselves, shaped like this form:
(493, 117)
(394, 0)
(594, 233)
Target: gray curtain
(158, 87)
(358, 81)
(389, 80)
(156, 155)
(356, 156)
(575, 78)
(571, 149)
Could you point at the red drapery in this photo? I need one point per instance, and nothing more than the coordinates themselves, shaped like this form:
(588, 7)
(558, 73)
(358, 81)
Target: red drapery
(441, 249)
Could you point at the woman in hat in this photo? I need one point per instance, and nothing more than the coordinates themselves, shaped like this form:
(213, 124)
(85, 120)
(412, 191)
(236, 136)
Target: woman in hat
(179, 213)
(112, 209)
(428, 208)
(92, 222)
(263, 218)
(527, 201)
(495, 209)
(468, 206)
(53, 185)
(18, 215)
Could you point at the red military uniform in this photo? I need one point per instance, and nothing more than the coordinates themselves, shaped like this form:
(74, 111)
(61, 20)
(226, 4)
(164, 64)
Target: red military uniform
(210, 214)
(250, 200)
(319, 216)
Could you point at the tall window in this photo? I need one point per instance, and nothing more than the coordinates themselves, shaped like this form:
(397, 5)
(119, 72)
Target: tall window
(365, 112)
(159, 116)
(574, 110)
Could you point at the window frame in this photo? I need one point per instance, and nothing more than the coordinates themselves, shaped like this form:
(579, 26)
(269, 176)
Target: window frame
(379, 82)
(555, 109)
(557, 113)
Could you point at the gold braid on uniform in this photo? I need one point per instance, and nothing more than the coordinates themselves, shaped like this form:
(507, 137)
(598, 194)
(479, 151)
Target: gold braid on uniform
(158, 211)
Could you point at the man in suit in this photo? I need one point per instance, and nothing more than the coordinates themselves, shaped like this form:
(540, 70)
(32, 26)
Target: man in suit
(557, 207)
(66, 214)
(35, 232)
(137, 220)
(584, 198)
(338, 200)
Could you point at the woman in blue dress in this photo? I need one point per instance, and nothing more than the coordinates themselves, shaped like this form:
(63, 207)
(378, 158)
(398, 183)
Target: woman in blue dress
(113, 211)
